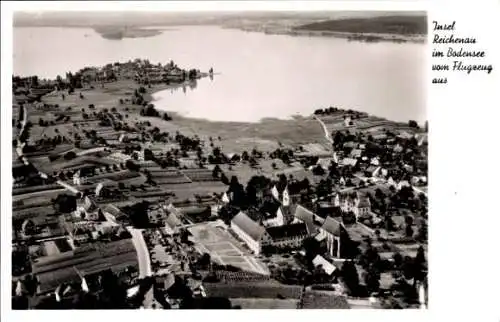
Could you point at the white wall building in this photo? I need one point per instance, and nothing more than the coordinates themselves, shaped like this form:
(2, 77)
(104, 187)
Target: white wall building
(253, 234)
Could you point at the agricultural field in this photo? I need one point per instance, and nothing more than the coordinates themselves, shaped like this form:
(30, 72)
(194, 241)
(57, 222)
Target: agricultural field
(191, 190)
(264, 304)
(257, 290)
(323, 300)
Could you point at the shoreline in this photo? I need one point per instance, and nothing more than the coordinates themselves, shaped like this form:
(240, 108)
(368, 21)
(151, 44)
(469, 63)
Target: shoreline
(290, 117)
(124, 32)
(133, 32)
(350, 36)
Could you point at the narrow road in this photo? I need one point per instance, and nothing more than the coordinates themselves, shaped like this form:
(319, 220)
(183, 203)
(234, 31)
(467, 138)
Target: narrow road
(67, 186)
(325, 129)
(144, 262)
(142, 252)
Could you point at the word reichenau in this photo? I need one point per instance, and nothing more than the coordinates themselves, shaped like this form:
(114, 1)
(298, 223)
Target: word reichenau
(450, 38)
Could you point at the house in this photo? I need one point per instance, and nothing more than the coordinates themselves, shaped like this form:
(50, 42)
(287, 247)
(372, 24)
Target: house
(273, 213)
(380, 136)
(349, 162)
(79, 231)
(332, 232)
(350, 145)
(320, 261)
(118, 157)
(79, 179)
(415, 180)
(277, 220)
(408, 168)
(355, 153)
(225, 198)
(119, 257)
(87, 209)
(157, 215)
(41, 227)
(312, 221)
(197, 214)
(402, 184)
(325, 163)
(405, 135)
(253, 234)
(348, 121)
(421, 139)
(326, 208)
(81, 234)
(359, 205)
(370, 171)
(172, 221)
(139, 155)
(287, 236)
(398, 148)
(20, 288)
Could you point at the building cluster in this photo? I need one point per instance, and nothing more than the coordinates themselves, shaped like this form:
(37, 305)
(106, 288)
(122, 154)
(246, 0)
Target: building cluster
(216, 242)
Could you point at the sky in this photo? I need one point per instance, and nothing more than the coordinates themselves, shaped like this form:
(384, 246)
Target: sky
(89, 18)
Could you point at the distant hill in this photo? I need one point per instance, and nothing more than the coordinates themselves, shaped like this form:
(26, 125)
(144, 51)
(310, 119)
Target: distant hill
(401, 25)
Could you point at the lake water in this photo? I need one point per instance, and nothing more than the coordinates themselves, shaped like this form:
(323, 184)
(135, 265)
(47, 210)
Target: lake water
(258, 76)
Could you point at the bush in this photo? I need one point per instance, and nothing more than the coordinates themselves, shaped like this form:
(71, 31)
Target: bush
(70, 155)
(132, 166)
(412, 123)
(53, 157)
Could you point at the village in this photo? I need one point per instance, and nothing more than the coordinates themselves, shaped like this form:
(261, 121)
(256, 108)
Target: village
(120, 204)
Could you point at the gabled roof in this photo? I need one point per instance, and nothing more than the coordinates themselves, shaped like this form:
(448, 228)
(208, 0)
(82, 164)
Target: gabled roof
(350, 144)
(172, 220)
(287, 231)
(328, 267)
(356, 153)
(89, 204)
(325, 162)
(247, 225)
(270, 207)
(303, 213)
(307, 217)
(332, 226)
(349, 161)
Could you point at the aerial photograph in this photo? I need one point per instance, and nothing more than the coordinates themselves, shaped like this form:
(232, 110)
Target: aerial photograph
(219, 160)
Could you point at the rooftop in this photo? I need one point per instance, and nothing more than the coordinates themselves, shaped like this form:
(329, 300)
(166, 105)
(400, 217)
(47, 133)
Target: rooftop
(287, 231)
(54, 270)
(332, 226)
(307, 217)
(250, 227)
